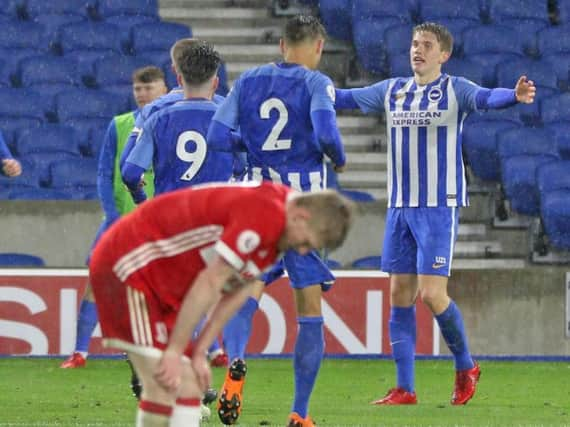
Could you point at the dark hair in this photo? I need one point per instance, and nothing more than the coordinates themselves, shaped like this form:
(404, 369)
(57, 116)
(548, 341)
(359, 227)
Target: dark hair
(148, 75)
(442, 34)
(303, 27)
(197, 62)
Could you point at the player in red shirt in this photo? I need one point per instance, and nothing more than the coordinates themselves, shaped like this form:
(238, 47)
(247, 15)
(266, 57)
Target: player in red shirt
(159, 270)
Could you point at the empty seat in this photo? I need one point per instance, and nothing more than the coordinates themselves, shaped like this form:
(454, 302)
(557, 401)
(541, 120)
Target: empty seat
(510, 114)
(336, 19)
(369, 44)
(508, 73)
(464, 68)
(12, 59)
(8, 259)
(96, 137)
(563, 11)
(48, 69)
(526, 141)
(556, 217)
(560, 65)
(480, 147)
(43, 161)
(90, 36)
(399, 66)
(553, 39)
(531, 9)
(561, 132)
(368, 262)
(21, 35)
(9, 8)
(86, 59)
(157, 36)
(118, 70)
(29, 178)
(48, 138)
(125, 23)
(52, 22)
(41, 7)
(21, 103)
(431, 10)
(85, 104)
(555, 108)
(553, 176)
(12, 126)
(456, 26)
(127, 7)
(526, 30)
(404, 11)
(73, 174)
(398, 39)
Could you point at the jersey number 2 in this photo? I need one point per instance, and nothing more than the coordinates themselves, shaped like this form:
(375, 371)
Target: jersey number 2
(196, 157)
(273, 143)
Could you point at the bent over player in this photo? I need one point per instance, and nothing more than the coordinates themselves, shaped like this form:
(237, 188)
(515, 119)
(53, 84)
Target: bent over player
(426, 186)
(159, 270)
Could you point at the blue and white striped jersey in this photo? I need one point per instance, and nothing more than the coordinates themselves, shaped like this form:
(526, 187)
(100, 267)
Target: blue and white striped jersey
(425, 162)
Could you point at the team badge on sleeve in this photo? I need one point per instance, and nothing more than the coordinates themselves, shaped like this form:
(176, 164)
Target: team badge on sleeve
(331, 93)
(248, 241)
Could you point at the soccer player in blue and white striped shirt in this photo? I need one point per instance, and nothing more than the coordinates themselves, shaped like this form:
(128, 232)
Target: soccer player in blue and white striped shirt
(426, 185)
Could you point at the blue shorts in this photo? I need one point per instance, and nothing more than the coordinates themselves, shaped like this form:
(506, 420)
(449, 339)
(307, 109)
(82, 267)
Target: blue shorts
(303, 270)
(420, 240)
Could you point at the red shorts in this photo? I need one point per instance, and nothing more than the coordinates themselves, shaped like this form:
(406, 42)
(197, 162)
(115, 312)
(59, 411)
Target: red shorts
(132, 318)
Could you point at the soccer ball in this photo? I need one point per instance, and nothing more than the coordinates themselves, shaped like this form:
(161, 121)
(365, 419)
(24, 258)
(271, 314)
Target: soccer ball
(205, 413)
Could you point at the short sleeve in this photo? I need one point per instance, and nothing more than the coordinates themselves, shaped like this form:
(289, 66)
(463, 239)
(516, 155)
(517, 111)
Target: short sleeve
(248, 243)
(466, 93)
(370, 99)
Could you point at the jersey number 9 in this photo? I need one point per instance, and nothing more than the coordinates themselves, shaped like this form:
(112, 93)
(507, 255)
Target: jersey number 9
(195, 158)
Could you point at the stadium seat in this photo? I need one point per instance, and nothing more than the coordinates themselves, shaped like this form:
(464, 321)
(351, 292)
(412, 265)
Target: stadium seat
(21, 103)
(85, 60)
(117, 70)
(84, 126)
(456, 26)
(556, 217)
(125, 23)
(89, 36)
(464, 68)
(21, 35)
(47, 138)
(368, 262)
(84, 103)
(12, 126)
(563, 7)
(553, 39)
(508, 73)
(500, 10)
(96, 137)
(531, 141)
(73, 175)
(157, 36)
(505, 114)
(490, 45)
(432, 10)
(553, 176)
(9, 8)
(52, 22)
(8, 259)
(12, 59)
(560, 65)
(399, 66)
(480, 147)
(5, 192)
(526, 30)
(42, 162)
(367, 42)
(397, 40)
(108, 8)
(41, 7)
(5, 80)
(48, 69)
(38, 194)
(30, 177)
(405, 11)
(561, 132)
(336, 19)
(555, 108)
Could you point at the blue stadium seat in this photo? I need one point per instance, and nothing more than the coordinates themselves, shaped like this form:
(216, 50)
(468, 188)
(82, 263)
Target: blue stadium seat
(12, 126)
(367, 42)
(556, 217)
(21, 103)
(560, 65)
(9, 8)
(123, 95)
(532, 9)
(108, 8)
(42, 162)
(96, 137)
(30, 177)
(404, 11)
(85, 60)
(563, 11)
(399, 66)
(126, 23)
(5, 80)
(553, 39)
(432, 10)
(8, 259)
(464, 68)
(22, 35)
(373, 262)
(532, 141)
(52, 22)
(5, 192)
(506, 114)
(86, 104)
(480, 147)
(526, 30)
(157, 36)
(508, 73)
(118, 70)
(561, 132)
(490, 45)
(48, 69)
(85, 126)
(555, 108)
(12, 59)
(553, 176)
(456, 26)
(74, 175)
(398, 39)
(39, 194)
(336, 19)
(41, 7)
(90, 36)
(48, 138)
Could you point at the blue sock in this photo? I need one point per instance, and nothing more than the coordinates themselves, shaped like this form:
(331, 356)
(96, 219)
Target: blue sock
(86, 322)
(403, 341)
(309, 350)
(238, 329)
(451, 325)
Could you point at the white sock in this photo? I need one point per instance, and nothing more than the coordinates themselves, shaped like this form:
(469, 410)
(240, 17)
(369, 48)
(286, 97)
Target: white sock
(186, 413)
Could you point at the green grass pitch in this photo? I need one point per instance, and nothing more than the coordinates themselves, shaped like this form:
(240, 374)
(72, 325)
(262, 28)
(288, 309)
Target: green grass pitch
(35, 392)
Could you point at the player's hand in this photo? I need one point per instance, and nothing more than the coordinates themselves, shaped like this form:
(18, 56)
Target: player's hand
(339, 169)
(202, 370)
(11, 167)
(169, 371)
(525, 90)
(142, 183)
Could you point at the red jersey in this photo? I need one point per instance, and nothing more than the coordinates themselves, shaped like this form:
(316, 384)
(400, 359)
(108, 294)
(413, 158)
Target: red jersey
(163, 244)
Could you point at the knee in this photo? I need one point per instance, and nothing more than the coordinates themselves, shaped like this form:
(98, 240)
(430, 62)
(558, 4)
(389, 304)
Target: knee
(433, 298)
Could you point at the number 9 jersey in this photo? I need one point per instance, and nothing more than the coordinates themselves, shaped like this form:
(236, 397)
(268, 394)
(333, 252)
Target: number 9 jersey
(173, 142)
(275, 107)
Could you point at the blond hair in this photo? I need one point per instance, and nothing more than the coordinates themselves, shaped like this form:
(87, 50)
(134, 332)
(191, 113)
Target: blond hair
(331, 215)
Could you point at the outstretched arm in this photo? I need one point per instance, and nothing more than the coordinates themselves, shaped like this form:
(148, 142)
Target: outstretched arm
(524, 92)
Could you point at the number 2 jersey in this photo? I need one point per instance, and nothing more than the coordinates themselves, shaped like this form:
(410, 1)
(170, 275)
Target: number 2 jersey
(173, 141)
(275, 107)
(163, 244)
